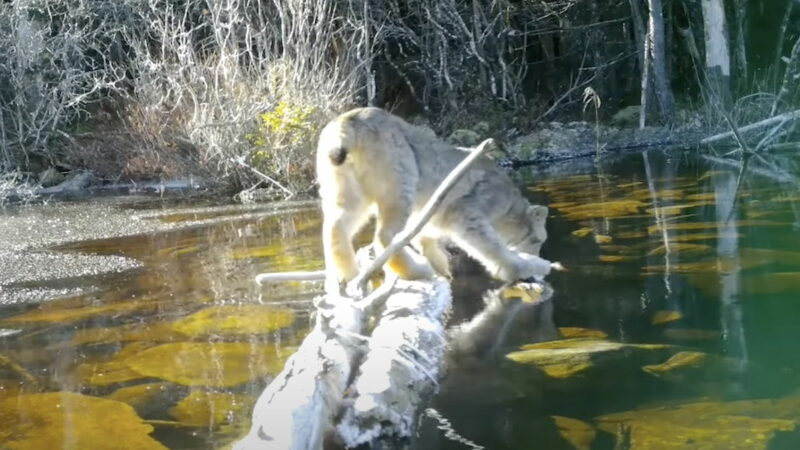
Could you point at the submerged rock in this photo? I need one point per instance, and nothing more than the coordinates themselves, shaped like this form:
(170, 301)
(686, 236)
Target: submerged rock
(570, 357)
(220, 364)
(235, 320)
(747, 424)
(66, 420)
(576, 432)
(212, 409)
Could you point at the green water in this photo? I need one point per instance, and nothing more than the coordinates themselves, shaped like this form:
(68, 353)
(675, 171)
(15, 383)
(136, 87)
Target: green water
(680, 258)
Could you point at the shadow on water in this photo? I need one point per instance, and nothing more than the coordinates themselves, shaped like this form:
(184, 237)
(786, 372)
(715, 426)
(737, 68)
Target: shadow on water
(675, 326)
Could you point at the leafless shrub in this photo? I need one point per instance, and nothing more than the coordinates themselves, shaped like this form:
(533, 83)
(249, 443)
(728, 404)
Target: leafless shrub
(237, 89)
(54, 63)
(16, 187)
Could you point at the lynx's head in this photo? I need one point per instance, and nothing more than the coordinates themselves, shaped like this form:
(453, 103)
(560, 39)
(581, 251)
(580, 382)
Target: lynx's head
(536, 233)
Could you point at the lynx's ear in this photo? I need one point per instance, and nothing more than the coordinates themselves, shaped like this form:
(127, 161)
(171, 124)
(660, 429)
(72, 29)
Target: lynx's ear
(537, 212)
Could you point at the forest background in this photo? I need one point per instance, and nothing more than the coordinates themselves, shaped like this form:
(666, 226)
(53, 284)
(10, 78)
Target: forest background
(234, 92)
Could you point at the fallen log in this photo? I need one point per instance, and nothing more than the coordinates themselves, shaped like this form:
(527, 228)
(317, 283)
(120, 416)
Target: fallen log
(388, 375)
(297, 410)
(401, 368)
(785, 117)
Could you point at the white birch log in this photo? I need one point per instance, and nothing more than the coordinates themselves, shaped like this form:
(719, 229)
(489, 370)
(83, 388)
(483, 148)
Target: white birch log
(785, 117)
(401, 368)
(296, 410)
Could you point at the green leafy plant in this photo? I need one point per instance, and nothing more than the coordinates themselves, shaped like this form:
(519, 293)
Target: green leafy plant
(283, 139)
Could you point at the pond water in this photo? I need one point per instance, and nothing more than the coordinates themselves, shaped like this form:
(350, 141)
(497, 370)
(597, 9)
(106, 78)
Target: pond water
(676, 324)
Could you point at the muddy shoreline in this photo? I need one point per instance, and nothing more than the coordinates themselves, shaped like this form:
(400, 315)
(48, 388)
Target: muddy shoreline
(30, 253)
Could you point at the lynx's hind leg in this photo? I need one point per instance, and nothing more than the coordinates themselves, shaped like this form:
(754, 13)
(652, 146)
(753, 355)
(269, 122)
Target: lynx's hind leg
(392, 218)
(340, 224)
(337, 233)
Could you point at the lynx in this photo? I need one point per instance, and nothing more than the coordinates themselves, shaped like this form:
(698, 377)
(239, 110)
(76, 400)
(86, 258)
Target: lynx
(372, 162)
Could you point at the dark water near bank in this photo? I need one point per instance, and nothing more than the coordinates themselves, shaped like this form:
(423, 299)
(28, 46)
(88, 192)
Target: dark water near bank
(680, 301)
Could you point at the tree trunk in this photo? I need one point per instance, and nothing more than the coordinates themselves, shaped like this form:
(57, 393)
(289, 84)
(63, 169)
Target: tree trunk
(791, 79)
(659, 59)
(776, 66)
(718, 64)
(740, 8)
(640, 36)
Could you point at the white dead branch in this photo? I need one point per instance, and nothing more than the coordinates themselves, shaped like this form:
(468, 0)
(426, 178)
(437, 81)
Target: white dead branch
(388, 375)
(779, 119)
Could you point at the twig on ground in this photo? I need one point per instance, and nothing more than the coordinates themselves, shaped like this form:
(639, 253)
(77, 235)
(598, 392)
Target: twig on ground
(279, 277)
(240, 161)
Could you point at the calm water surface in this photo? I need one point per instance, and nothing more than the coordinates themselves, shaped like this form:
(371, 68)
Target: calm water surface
(680, 304)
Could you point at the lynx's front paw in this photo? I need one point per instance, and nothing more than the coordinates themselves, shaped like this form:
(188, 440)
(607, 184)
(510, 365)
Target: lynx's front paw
(534, 267)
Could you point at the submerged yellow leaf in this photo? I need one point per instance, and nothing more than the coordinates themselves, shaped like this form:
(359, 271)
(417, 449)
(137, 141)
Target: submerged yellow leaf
(603, 239)
(577, 332)
(664, 194)
(218, 364)
(621, 249)
(152, 332)
(235, 320)
(655, 229)
(703, 237)
(674, 210)
(613, 258)
(559, 205)
(662, 317)
(583, 232)
(702, 196)
(619, 208)
(678, 247)
(630, 184)
(527, 292)
(139, 395)
(55, 313)
(631, 235)
(106, 373)
(741, 425)
(678, 361)
(578, 433)
(211, 409)
(569, 357)
(61, 420)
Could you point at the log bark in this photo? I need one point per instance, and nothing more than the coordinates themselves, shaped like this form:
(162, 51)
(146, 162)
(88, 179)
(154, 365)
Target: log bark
(398, 368)
(401, 368)
(297, 409)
